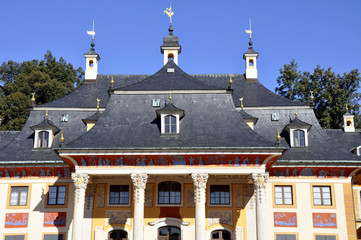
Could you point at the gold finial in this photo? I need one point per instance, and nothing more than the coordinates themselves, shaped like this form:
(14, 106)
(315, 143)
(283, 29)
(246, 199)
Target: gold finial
(33, 97)
(98, 100)
(112, 81)
(62, 136)
(296, 112)
(278, 135)
(241, 99)
(311, 95)
(169, 12)
(230, 79)
(346, 107)
(250, 29)
(170, 95)
(46, 113)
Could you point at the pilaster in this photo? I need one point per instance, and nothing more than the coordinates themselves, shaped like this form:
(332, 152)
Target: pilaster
(200, 184)
(139, 184)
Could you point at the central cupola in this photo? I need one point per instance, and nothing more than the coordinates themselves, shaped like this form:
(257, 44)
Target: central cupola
(170, 48)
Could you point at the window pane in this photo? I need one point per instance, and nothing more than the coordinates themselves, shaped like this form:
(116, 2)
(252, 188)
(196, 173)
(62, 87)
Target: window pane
(15, 237)
(53, 237)
(287, 189)
(119, 194)
(279, 201)
(23, 195)
(14, 196)
(278, 189)
(316, 189)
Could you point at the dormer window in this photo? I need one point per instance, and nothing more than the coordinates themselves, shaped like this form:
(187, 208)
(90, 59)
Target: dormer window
(298, 131)
(43, 139)
(170, 124)
(299, 138)
(44, 133)
(170, 118)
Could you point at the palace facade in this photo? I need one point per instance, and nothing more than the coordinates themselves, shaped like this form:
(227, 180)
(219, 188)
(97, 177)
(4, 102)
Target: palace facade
(175, 156)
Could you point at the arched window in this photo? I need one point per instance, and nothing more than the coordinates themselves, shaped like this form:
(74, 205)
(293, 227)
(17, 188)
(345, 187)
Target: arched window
(221, 235)
(170, 124)
(170, 56)
(43, 139)
(91, 63)
(118, 235)
(169, 193)
(169, 233)
(299, 138)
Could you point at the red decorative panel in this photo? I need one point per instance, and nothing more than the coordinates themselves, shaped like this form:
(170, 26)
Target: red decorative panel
(16, 220)
(171, 160)
(324, 220)
(35, 172)
(285, 219)
(169, 212)
(55, 219)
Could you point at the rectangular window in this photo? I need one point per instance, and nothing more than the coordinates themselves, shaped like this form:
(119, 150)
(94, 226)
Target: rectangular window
(53, 237)
(119, 194)
(285, 237)
(19, 196)
(322, 195)
(220, 195)
(15, 237)
(325, 237)
(56, 195)
(283, 195)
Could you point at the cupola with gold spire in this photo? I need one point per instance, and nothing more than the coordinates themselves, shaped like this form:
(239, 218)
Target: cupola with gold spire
(170, 48)
(92, 58)
(251, 58)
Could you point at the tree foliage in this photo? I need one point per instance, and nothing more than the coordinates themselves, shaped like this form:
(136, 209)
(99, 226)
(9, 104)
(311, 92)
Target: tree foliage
(48, 78)
(331, 92)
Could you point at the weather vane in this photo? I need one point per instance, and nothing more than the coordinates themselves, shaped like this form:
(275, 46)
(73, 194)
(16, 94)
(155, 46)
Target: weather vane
(91, 33)
(169, 12)
(250, 29)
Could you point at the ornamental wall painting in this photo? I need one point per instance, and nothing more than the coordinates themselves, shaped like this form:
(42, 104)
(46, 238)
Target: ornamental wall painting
(285, 219)
(324, 220)
(16, 220)
(170, 160)
(24, 172)
(320, 172)
(55, 219)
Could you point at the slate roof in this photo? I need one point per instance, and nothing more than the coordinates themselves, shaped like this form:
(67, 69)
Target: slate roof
(95, 117)
(177, 79)
(320, 146)
(211, 121)
(297, 123)
(6, 137)
(46, 124)
(245, 115)
(348, 140)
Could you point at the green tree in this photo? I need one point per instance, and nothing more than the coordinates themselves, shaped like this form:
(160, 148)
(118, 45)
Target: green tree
(331, 92)
(48, 78)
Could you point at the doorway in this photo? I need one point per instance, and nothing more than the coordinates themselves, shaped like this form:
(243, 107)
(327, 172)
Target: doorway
(221, 235)
(118, 235)
(169, 233)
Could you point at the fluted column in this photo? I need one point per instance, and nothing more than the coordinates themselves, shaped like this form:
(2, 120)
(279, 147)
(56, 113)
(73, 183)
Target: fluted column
(139, 184)
(200, 184)
(80, 184)
(259, 183)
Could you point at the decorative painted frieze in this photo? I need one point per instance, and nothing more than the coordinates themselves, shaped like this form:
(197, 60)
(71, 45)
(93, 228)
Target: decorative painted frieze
(55, 219)
(285, 219)
(220, 216)
(324, 220)
(16, 220)
(43, 172)
(320, 172)
(100, 195)
(238, 191)
(118, 217)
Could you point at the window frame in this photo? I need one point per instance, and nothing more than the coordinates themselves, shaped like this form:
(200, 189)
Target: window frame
(163, 124)
(285, 233)
(120, 204)
(325, 234)
(50, 140)
(332, 195)
(9, 206)
(293, 189)
(221, 230)
(16, 234)
(219, 205)
(169, 204)
(53, 233)
(65, 205)
(292, 132)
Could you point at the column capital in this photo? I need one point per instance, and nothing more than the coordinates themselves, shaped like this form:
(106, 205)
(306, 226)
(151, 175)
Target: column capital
(80, 180)
(260, 180)
(139, 180)
(200, 180)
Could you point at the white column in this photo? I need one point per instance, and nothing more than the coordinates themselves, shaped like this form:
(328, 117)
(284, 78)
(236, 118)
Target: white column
(80, 184)
(139, 183)
(259, 182)
(200, 184)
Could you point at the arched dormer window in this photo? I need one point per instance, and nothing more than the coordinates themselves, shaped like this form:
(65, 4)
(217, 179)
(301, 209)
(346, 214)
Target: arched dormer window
(298, 131)
(43, 139)
(170, 118)
(299, 138)
(169, 192)
(170, 124)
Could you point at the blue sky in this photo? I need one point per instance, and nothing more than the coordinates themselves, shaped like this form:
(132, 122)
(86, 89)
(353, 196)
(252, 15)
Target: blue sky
(129, 34)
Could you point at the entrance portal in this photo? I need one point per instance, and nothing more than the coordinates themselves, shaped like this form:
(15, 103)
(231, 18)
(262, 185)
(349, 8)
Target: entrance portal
(221, 235)
(169, 233)
(118, 235)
